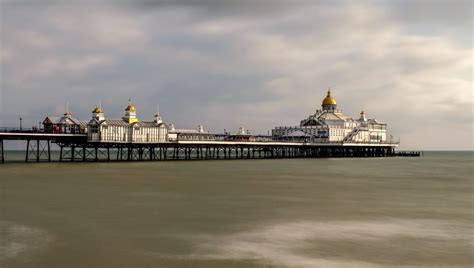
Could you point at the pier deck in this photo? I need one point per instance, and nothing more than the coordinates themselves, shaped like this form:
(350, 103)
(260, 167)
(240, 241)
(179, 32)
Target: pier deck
(76, 148)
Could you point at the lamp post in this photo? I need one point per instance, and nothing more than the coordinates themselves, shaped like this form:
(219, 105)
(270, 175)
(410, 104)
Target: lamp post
(21, 126)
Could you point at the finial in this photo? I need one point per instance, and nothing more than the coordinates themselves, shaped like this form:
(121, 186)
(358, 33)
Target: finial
(130, 101)
(329, 91)
(362, 112)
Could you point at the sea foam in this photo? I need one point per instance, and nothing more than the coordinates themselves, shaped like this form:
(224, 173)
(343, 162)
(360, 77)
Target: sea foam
(284, 244)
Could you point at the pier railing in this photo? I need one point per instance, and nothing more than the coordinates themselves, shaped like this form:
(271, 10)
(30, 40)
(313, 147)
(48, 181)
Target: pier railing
(20, 130)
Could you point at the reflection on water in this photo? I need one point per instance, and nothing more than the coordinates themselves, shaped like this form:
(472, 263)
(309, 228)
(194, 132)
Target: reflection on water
(410, 212)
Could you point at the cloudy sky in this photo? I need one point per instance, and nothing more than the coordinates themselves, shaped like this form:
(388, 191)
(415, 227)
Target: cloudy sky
(257, 64)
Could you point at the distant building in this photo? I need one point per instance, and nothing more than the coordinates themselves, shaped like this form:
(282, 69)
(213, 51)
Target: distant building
(330, 125)
(65, 124)
(128, 129)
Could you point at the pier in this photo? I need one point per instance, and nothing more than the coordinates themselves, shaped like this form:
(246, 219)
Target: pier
(76, 148)
(326, 133)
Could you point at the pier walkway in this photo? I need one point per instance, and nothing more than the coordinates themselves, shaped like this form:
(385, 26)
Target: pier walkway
(76, 148)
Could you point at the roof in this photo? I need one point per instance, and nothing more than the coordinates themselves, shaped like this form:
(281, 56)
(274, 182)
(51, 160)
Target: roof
(329, 100)
(130, 107)
(114, 122)
(370, 121)
(145, 124)
(375, 121)
(120, 122)
(52, 119)
(97, 110)
(64, 120)
(332, 116)
(185, 131)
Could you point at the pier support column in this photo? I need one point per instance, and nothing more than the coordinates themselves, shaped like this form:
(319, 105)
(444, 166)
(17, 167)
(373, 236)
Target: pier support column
(27, 150)
(61, 153)
(49, 151)
(72, 153)
(1, 149)
(37, 150)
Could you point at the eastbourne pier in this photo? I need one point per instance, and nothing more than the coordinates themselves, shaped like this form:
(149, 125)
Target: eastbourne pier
(325, 133)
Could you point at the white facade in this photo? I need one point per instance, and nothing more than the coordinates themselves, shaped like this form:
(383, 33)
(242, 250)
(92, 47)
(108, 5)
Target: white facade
(129, 129)
(330, 125)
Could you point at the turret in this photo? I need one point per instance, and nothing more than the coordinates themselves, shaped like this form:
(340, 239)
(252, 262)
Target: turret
(172, 127)
(130, 114)
(362, 117)
(329, 103)
(98, 114)
(158, 119)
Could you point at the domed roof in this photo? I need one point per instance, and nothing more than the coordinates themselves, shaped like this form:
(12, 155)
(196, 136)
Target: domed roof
(97, 110)
(130, 108)
(329, 100)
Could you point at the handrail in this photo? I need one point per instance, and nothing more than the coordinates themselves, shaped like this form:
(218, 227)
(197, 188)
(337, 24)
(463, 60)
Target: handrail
(20, 130)
(351, 135)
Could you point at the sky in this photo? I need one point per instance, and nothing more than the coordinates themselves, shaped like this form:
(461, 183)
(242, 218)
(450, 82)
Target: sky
(247, 63)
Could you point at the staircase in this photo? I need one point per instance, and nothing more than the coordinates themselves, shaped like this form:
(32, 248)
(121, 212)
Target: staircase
(352, 134)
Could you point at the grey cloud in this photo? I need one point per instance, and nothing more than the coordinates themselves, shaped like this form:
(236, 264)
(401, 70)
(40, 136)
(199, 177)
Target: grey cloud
(256, 64)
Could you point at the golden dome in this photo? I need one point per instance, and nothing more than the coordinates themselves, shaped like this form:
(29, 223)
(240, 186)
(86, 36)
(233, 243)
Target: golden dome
(329, 100)
(97, 110)
(130, 108)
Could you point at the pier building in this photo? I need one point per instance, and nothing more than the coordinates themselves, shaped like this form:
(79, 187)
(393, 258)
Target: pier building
(128, 129)
(64, 124)
(198, 134)
(329, 124)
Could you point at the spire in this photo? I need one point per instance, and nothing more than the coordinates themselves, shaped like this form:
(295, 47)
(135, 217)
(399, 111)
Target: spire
(67, 114)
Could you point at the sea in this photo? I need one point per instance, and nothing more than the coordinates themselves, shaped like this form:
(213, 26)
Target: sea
(321, 212)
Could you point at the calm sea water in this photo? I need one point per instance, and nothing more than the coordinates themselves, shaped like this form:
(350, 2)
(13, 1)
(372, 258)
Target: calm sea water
(384, 212)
